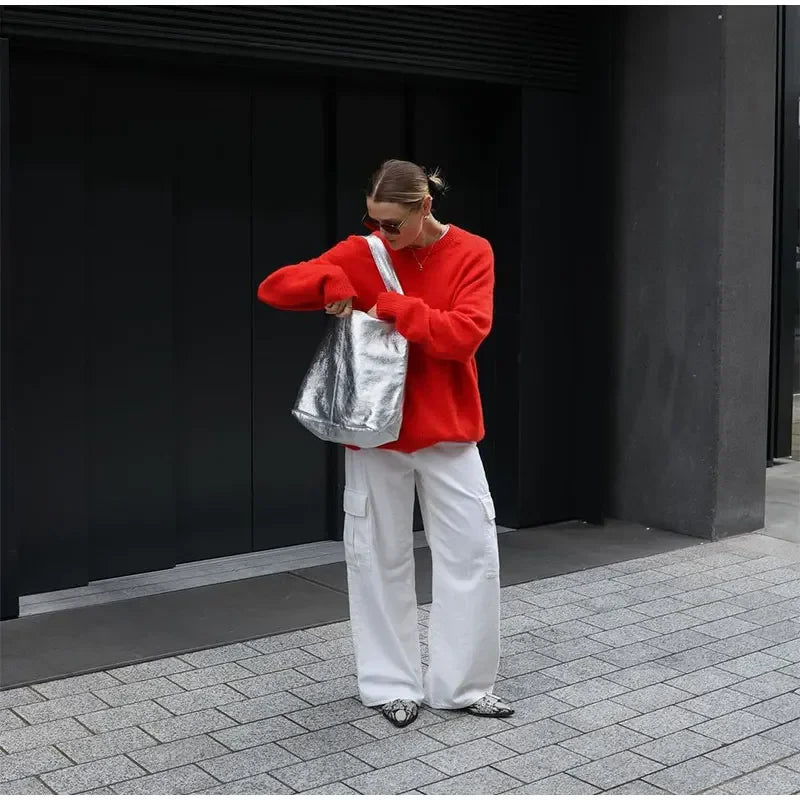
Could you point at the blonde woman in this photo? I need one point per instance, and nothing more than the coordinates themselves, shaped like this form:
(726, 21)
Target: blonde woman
(447, 275)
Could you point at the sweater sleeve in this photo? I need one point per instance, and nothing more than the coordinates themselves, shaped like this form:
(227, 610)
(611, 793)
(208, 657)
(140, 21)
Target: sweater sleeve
(453, 335)
(310, 285)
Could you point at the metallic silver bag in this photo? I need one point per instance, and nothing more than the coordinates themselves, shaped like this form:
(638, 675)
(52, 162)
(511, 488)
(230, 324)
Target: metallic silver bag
(353, 392)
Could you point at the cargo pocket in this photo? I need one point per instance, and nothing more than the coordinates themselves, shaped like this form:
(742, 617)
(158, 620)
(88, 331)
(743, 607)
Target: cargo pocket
(492, 555)
(357, 529)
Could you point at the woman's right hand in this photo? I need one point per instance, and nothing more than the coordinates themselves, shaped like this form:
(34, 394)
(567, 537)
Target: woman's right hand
(342, 308)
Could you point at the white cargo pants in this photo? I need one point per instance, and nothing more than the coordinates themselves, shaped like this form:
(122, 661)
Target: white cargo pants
(464, 624)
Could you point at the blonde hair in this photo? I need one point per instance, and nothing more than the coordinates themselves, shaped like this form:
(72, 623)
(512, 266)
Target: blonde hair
(405, 183)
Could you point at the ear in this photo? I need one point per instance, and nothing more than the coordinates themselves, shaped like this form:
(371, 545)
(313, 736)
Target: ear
(427, 204)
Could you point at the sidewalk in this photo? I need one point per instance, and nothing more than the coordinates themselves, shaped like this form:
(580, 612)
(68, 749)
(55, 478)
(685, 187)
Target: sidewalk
(675, 673)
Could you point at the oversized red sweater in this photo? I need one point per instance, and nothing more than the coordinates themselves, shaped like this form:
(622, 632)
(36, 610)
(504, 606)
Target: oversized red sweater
(445, 313)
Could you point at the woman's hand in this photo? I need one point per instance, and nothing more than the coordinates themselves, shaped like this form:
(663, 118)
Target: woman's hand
(341, 308)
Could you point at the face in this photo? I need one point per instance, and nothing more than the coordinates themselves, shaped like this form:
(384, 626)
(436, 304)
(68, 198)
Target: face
(409, 222)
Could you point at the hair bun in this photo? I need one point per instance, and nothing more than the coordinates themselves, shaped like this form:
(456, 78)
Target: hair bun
(436, 183)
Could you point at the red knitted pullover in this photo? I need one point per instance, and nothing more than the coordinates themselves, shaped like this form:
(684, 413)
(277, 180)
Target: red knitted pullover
(445, 313)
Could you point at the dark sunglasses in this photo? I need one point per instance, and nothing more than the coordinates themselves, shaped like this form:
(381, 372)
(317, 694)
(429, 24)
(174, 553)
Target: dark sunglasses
(387, 227)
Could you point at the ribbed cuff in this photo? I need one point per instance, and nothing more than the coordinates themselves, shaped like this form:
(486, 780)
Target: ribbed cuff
(389, 305)
(338, 288)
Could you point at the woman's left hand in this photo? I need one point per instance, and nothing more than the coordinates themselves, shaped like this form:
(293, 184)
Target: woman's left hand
(373, 312)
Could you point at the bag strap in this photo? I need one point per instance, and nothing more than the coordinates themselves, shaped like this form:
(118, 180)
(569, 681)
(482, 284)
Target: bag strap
(384, 264)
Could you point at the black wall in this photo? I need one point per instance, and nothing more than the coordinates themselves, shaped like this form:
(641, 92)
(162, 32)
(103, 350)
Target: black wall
(150, 416)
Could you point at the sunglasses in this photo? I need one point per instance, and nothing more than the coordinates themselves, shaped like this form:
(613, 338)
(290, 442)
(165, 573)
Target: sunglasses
(392, 228)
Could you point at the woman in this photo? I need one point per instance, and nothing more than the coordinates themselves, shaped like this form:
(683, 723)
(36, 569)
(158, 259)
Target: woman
(447, 276)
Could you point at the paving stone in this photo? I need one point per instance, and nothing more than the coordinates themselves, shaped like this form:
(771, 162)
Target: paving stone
(468, 756)
(538, 764)
(257, 733)
(665, 721)
(644, 578)
(616, 619)
(202, 699)
(642, 675)
(339, 630)
(718, 703)
(792, 670)
(328, 691)
(174, 728)
(523, 643)
(270, 705)
(596, 715)
(554, 616)
(9, 721)
(768, 615)
(692, 660)
(676, 747)
(104, 772)
(725, 628)
(324, 742)
(247, 763)
(533, 709)
(615, 770)
(327, 670)
(527, 685)
(519, 624)
(93, 748)
(320, 771)
(284, 641)
(600, 588)
(753, 664)
(635, 787)
(562, 783)
(31, 763)
(609, 602)
(783, 708)
(560, 597)
(791, 589)
(781, 631)
(772, 780)
(741, 645)
(655, 591)
(36, 736)
(101, 790)
(150, 669)
(395, 779)
(751, 753)
(535, 735)
(210, 676)
(386, 752)
(577, 671)
(570, 651)
(24, 786)
(332, 649)
(485, 781)
(277, 662)
(378, 728)
(788, 734)
(627, 635)
(177, 754)
(732, 727)
(692, 776)
(463, 729)
(768, 684)
(680, 641)
(266, 785)
(9, 698)
(331, 714)
(605, 742)
(269, 684)
(60, 708)
(704, 680)
(790, 651)
(651, 698)
(746, 584)
(662, 606)
(181, 780)
(77, 685)
(670, 623)
(780, 575)
(631, 655)
(136, 692)
(220, 655)
(580, 694)
(522, 663)
(513, 608)
(683, 568)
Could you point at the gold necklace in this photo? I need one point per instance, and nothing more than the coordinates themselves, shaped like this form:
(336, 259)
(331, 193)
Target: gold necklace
(420, 264)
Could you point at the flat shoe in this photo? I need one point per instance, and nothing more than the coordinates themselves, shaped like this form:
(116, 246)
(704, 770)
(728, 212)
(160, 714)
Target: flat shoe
(400, 712)
(490, 705)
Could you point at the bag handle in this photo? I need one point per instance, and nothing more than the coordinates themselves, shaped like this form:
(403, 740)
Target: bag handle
(384, 264)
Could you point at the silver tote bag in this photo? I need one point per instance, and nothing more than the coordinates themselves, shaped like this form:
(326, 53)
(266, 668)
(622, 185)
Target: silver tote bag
(353, 392)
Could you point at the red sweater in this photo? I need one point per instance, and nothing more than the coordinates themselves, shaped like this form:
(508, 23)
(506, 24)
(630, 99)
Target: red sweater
(445, 313)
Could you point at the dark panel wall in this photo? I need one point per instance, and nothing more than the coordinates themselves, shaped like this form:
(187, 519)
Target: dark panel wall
(46, 340)
(683, 430)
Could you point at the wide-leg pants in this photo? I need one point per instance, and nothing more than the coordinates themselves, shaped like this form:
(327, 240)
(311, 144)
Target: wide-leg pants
(464, 625)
